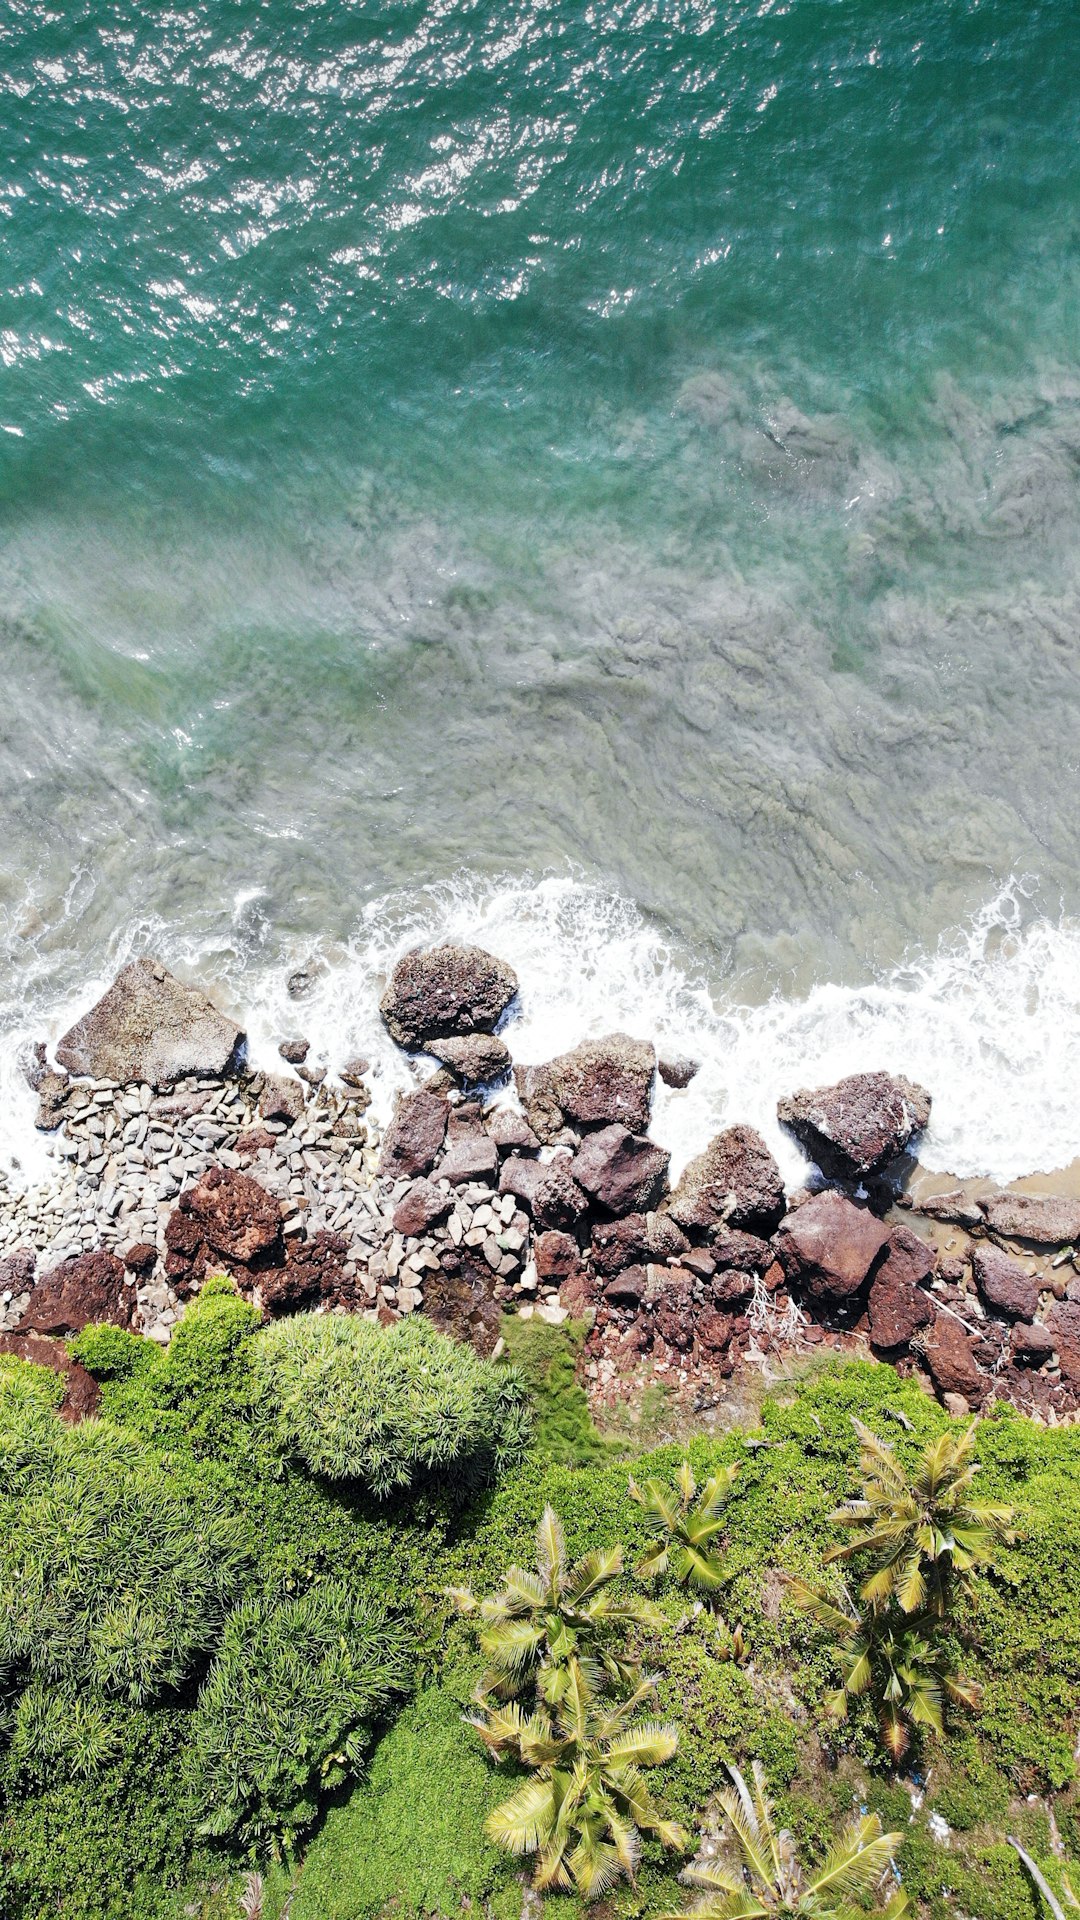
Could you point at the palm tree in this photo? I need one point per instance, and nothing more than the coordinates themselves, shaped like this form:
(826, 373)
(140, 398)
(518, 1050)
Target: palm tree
(919, 1532)
(685, 1521)
(899, 1660)
(585, 1808)
(766, 1878)
(543, 1624)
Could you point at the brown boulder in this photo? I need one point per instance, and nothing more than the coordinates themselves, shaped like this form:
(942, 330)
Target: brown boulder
(91, 1287)
(141, 1258)
(1050, 1220)
(829, 1246)
(713, 1332)
(511, 1131)
(471, 1156)
(1063, 1326)
(473, 1058)
(951, 1361)
(731, 1286)
(628, 1288)
(414, 1136)
(734, 1249)
(521, 1177)
(558, 1201)
(597, 1084)
(637, 1237)
(622, 1171)
(556, 1256)
(353, 1071)
(150, 1026)
(422, 1207)
(437, 992)
(226, 1220)
(1003, 1283)
(676, 1069)
(81, 1390)
(294, 1051)
(735, 1182)
(856, 1127)
(897, 1306)
(17, 1271)
(313, 1272)
(52, 1092)
(1031, 1345)
(281, 1098)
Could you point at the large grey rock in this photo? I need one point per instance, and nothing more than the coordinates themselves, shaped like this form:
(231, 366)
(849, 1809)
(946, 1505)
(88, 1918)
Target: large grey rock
(596, 1084)
(150, 1026)
(435, 992)
(735, 1182)
(856, 1127)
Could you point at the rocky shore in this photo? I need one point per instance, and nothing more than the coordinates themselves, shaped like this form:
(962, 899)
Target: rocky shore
(503, 1186)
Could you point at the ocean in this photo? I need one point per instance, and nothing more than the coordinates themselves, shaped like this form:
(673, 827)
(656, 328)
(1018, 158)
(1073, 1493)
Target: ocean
(603, 479)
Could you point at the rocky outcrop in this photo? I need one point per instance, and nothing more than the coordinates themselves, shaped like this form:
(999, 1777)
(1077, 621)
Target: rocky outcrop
(1049, 1220)
(90, 1288)
(829, 1246)
(149, 1026)
(854, 1129)
(438, 992)
(952, 1364)
(415, 1135)
(474, 1059)
(734, 1183)
(897, 1306)
(621, 1171)
(1003, 1284)
(597, 1084)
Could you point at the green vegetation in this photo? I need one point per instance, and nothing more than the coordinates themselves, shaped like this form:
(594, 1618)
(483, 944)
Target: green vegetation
(686, 1521)
(194, 1675)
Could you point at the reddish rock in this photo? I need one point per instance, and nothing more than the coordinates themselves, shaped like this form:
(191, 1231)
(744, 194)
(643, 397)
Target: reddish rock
(472, 1156)
(255, 1141)
(414, 1136)
(1031, 1345)
(353, 1071)
(713, 1332)
(735, 1183)
(141, 1258)
(313, 1272)
(557, 1200)
(1003, 1283)
(422, 1207)
(599, 1083)
(855, 1128)
(281, 1098)
(622, 1171)
(955, 1208)
(897, 1306)
(671, 1294)
(81, 1390)
(149, 1026)
(511, 1131)
(91, 1287)
(698, 1261)
(628, 1288)
(437, 992)
(17, 1271)
(734, 1249)
(676, 1070)
(227, 1220)
(474, 1059)
(1063, 1325)
(556, 1256)
(731, 1286)
(1050, 1220)
(639, 1236)
(294, 1051)
(828, 1246)
(521, 1178)
(951, 1361)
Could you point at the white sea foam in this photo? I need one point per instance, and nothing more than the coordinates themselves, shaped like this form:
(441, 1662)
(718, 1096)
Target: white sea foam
(989, 1020)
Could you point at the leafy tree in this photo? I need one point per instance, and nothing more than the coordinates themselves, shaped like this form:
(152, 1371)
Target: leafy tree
(285, 1712)
(919, 1533)
(897, 1658)
(766, 1878)
(685, 1521)
(588, 1803)
(542, 1624)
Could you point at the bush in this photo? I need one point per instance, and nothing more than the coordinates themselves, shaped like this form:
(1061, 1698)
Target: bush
(382, 1404)
(286, 1710)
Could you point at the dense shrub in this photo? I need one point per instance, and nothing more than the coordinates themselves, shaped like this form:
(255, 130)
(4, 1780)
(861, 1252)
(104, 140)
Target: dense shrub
(286, 1710)
(378, 1404)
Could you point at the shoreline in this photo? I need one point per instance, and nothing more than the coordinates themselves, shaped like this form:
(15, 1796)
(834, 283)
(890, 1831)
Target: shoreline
(387, 1221)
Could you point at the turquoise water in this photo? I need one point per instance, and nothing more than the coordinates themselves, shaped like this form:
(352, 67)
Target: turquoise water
(496, 438)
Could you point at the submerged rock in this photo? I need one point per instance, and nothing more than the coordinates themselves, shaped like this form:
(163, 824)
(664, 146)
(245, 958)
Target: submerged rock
(828, 1246)
(596, 1084)
(735, 1182)
(854, 1129)
(436, 992)
(677, 1069)
(150, 1026)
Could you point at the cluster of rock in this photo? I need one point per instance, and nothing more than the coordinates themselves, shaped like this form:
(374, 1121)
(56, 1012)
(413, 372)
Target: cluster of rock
(175, 1160)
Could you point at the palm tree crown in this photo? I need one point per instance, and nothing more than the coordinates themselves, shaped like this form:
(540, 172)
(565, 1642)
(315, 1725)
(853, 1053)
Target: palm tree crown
(685, 1521)
(765, 1879)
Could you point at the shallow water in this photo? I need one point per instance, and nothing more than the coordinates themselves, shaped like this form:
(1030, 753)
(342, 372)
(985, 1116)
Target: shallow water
(632, 443)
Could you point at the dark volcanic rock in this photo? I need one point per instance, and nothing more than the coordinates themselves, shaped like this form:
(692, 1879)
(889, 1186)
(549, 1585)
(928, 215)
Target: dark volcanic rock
(227, 1220)
(735, 1182)
(511, 1131)
(623, 1172)
(141, 1258)
(951, 1361)
(556, 1256)
(1050, 1220)
(897, 1306)
(828, 1246)
(1063, 1326)
(313, 1271)
(89, 1288)
(639, 1237)
(676, 1070)
(422, 1207)
(597, 1084)
(473, 1058)
(294, 1051)
(1031, 1345)
(149, 1026)
(281, 1098)
(1003, 1283)
(731, 1286)
(713, 1332)
(414, 1136)
(628, 1288)
(17, 1271)
(81, 1391)
(856, 1127)
(440, 991)
(459, 1300)
(558, 1201)
(731, 1248)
